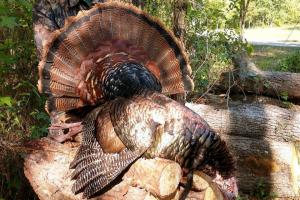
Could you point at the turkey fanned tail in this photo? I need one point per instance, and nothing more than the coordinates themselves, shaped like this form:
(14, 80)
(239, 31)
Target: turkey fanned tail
(111, 50)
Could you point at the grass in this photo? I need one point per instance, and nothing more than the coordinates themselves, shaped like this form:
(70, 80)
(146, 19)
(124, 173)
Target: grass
(272, 58)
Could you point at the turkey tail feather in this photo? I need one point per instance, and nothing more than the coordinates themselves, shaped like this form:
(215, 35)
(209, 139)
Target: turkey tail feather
(222, 160)
(109, 28)
(215, 154)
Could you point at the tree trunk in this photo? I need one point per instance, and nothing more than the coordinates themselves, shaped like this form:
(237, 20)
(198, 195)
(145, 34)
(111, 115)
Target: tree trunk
(244, 5)
(247, 78)
(179, 13)
(257, 121)
(47, 168)
(263, 138)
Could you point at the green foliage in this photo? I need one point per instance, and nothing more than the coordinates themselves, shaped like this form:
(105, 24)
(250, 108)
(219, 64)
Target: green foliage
(273, 12)
(260, 12)
(286, 59)
(260, 192)
(291, 63)
(18, 95)
(6, 101)
(8, 22)
(22, 115)
(162, 9)
(210, 47)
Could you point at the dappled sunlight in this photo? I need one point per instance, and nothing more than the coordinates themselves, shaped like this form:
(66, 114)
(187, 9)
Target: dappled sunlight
(277, 34)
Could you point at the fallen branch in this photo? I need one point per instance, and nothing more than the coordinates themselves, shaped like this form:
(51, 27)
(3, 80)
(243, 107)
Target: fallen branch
(248, 78)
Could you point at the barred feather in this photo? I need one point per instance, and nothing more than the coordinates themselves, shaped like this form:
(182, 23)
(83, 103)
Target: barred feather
(105, 31)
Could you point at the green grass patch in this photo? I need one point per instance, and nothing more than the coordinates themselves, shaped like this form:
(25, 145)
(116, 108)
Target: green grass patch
(272, 58)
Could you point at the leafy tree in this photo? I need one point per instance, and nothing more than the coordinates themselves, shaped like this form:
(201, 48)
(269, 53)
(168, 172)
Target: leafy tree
(241, 7)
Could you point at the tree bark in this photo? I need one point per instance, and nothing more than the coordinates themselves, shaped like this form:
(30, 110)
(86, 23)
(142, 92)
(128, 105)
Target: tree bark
(47, 169)
(244, 5)
(247, 78)
(179, 13)
(263, 139)
(252, 121)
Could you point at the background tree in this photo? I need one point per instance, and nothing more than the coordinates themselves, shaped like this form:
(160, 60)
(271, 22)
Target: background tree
(241, 7)
(179, 18)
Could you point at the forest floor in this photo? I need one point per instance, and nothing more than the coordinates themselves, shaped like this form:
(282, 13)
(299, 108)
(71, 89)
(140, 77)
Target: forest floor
(272, 58)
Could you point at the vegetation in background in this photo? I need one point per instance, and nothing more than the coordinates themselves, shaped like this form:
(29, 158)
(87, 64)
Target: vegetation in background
(22, 115)
(273, 13)
(271, 58)
(259, 193)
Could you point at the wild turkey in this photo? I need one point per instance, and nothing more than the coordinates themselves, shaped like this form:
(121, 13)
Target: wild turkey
(115, 60)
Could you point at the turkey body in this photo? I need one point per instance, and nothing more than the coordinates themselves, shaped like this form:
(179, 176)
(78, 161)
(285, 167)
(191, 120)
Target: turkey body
(147, 124)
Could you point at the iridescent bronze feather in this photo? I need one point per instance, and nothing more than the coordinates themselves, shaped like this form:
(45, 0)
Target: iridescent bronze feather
(83, 62)
(148, 124)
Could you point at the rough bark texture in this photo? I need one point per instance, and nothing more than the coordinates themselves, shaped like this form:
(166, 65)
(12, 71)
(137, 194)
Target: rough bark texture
(249, 79)
(257, 121)
(47, 168)
(179, 13)
(263, 139)
(244, 5)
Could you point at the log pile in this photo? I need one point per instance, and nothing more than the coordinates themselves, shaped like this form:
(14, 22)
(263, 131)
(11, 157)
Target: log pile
(262, 134)
(47, 169)
(263, 138)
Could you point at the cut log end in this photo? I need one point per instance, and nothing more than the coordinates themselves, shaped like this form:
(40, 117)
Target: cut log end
(158, 176)
(47, 169)
(213, 193)
(169, 179)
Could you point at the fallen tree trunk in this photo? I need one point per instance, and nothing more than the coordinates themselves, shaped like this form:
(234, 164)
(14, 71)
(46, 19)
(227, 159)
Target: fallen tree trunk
(258, 121)
(263, 139)
(47, 169)
(247, 78)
